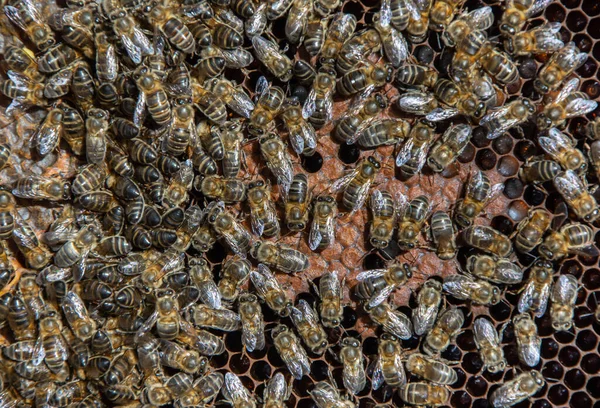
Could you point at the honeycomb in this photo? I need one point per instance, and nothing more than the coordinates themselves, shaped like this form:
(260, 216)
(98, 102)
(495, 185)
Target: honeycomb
(570, 360)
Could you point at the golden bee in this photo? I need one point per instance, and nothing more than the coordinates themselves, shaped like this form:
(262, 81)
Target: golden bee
(153, 95)
(496, 270)
(384, 211)
(422, 393)
(277, 158)
(389, 368)
(393, 42)
(263, 215)
(219, 319)
(8, 207)
(572, 238)
(279, 256)
(353, 360)
(393, 321)
(79, 247)
(506, 117)
(291, 352)
(559, 66)
(428, 304)
(488, 344)
(413, 154)
(539, 171)
(356, 184)
(531, 230)
(172, 27)
(488, 240)
(318, 107)
(341, 28)
(330, 293)
(376, 285)
(479, 193)
(327, 396)
(383, 132)
(361, 113)
(322, 230)
(301, 134)
(273, 59)
(443, 234)
(478, 291)
(576, 194)
(37, 255)
(444, 331)
(521, 387)
(77, 316)
(235, 273)
(227, 227)
(536, 293)
(561, 148)
(269, 289)
(412, 216)
(178, 357)
(363, 78)
(228, 190)
(277, 391)
(307, 324)
(253, 325)
(297, 203)
(356, 49)
(232, 138)
(528, 341)
(564, 297)
(27, 16)
(316, 29)
(431, 369)
(268, 106)
(446, 150)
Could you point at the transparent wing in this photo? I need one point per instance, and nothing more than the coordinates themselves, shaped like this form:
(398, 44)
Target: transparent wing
(405, 153)
(398, 324)
(568, 88)
(234, 388)
(565, 290)
(314, 237)
(508, 394)
(485, 332)
(146, 326)
(13, 14)
(343, 181)
(309, 135)
(377, 377)
(241, 103)
(580, 107)
(237, 59)
(424, 318)
(276, 389)
(262, 86)
(134, 52)
(527, 296)
(140, 110)
(457, 286)
(297, 361)
(373, 273)
(140, 39)
(396, 48)
(296, 141)
(310, 104)
(530, 352)
(481, 18)
(210, 295)
(73, 307)
(258, 226)
(308, 312)
(569, 185)
(439, 114)
(381, 296)
(538, 6)
(377, 201)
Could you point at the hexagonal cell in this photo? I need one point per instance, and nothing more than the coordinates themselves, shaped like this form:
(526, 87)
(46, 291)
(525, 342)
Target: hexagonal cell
(569, 356)
(576, 21)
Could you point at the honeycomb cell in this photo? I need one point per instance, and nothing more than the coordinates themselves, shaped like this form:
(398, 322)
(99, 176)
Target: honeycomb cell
(479, 137)
(485, 159)
(503, 224)
(348, 153)
(477, 386)
(220, 360)
(303, 386)
(452, 353)
(466, 341)
(508, 166)
(591, 279)
(576, 21)
(500, 311)
(373, 261)
(239, 363)
(513, 188)
(558, 394)
(583, 317)
(581, 400)
(541, 403)
(575, 379)
(460, 399)
(591, 88)
(312, 163)
(527, 68)
(260, 371)
(593, 387)
(466, 156)
(549, 348)
(590, 363)
(481, 403)
(588, 69)
(586, 340)
(571, 267)
(460, 380)
(569, 356)
(571, 4)
(350, 317)
(274, 358)
(517, 210)
(217, 254)
(472, 363)
(370, 345)
(525, 149)
(583, 42)
(383, 394)
(590, 8)
(424, 54)
(594, 29)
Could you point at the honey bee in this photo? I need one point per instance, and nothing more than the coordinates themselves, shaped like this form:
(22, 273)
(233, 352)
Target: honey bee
(393, 42)
(205, 342)
(134, 41)
(423, 103)
(55, 346)
(422, 393)
(478, 291)
(430, 369)
(572, 238)
(577, 196)
(506, 117)
(539, 40)
(536, 291)
(253, 325)
(412, 216)
(297, 19)
(389, 366)
(564, 297)
(352, 358)
(297, 202)
(153, 95)
(560, 66)
(418, 76)
(22, 60)
(444, 331)
(209, 386)
(27, 17)
(316, 29)
(364, 78)
(234, 274)
(479, 193)
(263, 215)
(531, 230)
(562, 149)
(341, 29)
(446, 150)
(37, 255)
(291, 352)
(383, 132)
(443, 235)
(393, 321)
(528, 341)
(301, 134)
(488, 240)
(592, 129)
(220, 319)
(518, 12)
(497, 270)
(181, 128)
(385, 214)
(362, 112)
(488, 344)
(277, 391)
(8, 208)
(466, 22)
(356, 184)
(269, 104)
(255, 25)
(518, 389)
(539, 171)
(322, 230)
(21, 320)
(357, 49)
(59, 84)
(206, 102)
(176, 192)
(269, 289)
(318, 107)
(79, 247)
(413, 154)
(279, 256)
(234, 96)
(107, 63)
(175, 356)
(201, 276)
(171, 27)
(165, 317)
(428, 301)
(228, 190)
(274, 151)
(96, 126)
(330, 293)
(23, 91)
(272, 58)
(210, 140)
(77, 316)
(327, 396)
(307, 324)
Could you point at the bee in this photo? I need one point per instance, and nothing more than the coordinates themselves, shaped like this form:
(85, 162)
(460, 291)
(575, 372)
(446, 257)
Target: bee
(488, 344)
(479, 19)
(304, 73)
(272, 58)
(488, 240)
(423, 103)
(536, 291)
(37, 255)
(210, 140)
(182, 127)
(208, 386)
(539, 171)
(107, 63)
(412, 216)
(172, 28)
(384, 211)
(528, 341)
(165, 317)
(22, 60)
(201, 276)
(394, 45)
(96, 126)
(518, 12)
(531, 230)
(314, 37)
(228, 190)
(55, 346)
(353, 372)
(77, 316)
(56, 58)
(357, 49)
(443, 235)
(466, 288)
(276, 391)
(560, 66)
(27, 17)
(356, 184)
(306, 321)
(205, 342)
(318, 107)
(208, 103)
(364, 78)
(413, 154)
(301, 134)
(571, 238)
(157, 265)
(430, 369)
(134, 41)
(263, 215)
(278, 8)
(577, 196)
(521, 387)
(506, 117)
(361, 113)
(89, 178)
(383, 132)
(479, 193)
(428, 301)
(153, 95)
(564, 297)
(219, 319)
(446, 150)
(232, 139)
(269, 105)
(176, 192)
(76, 249)
(205, 164)
(444, 331)
(496, 270)
(59, 84)
(422, 393)
(291, 352)
(322, 230)
(23, 91)
(327, 396)
(257, 22)
(297, 19)
(279, 256)
(253, 325)
(8, 207)
(227, 227)
(175, 356)
(389, 366)
(393, 321)
(561, 148)
(278, 160)
(442, 13)
(340, 30)
(538, 40)
(234, 96)
(20, 319)
(297, 203)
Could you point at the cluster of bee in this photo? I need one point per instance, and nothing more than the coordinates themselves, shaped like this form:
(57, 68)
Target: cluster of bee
(117, 303)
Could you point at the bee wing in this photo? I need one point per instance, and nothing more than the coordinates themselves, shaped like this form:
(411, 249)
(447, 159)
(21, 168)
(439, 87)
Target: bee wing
(480, 18)
(396, 48)
(494, 192)
(565, 290)
(210, 295)
(249, 339)
(59, 80)
(485, 332)
(46, 138)
(373, 273)
(73, 307)
(262, 86)
(232, 242)
(39, 353)
(568, 88)
(405, 153)
(580, 107)
(569, 185)
(508, 394)
(385, 13)
(457, 286)
(310, 104)
(377, 379)
(343, 181)
(415, 102)
(333, 285)
(381, 296)
(265, 50)
(543, 298)
(133, 51)
(400, 369)
(297, 362)
(234, 390)
(360, 129)
(142, 42)
(538, 6)
(439, 114)
(241, 103)
(424, 318)
(276, 389)
(296, 141)
(13, 15)
(20, 81)
(398, 324)
(309, 135)
(361, 195)
(412, 9)
(546, 37)
(237, 59)
(377, 201)
(527, 297)
(255, 25)
(140, 110)
(530, 351)
(587, 252)
(146, 326)
(314, 237)
(308, 312)
(328, 107)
